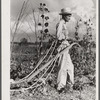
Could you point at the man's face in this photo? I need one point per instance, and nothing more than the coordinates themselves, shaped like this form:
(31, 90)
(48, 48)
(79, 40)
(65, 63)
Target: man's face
(67, 17)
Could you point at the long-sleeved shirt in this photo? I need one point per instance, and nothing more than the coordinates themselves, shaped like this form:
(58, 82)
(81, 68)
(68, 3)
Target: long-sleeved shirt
(62, 31)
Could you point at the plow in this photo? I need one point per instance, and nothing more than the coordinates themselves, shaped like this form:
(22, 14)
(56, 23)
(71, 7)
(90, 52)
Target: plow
(42, 71)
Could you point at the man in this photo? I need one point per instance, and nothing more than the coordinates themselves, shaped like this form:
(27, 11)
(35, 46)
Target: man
(66, 66)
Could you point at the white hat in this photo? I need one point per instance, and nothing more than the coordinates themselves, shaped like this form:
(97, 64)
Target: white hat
(65, 11)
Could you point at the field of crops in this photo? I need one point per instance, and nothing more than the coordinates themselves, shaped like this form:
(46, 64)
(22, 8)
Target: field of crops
(24, 59)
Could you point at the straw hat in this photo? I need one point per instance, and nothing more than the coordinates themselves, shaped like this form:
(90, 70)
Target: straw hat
(65, 11)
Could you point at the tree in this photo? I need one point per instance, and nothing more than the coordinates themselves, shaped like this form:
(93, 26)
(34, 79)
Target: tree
(23, 41)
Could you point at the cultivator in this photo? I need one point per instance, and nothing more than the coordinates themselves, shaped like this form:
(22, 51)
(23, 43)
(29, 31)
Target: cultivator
(41, 71)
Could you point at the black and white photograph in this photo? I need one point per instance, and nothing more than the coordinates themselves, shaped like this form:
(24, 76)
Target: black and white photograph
(53, 50)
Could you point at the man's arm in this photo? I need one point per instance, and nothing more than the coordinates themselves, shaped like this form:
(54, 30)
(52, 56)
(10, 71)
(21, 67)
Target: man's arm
(59, 30)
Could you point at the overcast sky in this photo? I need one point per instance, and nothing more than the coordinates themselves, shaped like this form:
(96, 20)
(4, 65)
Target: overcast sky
(53, 5)
(81, 7)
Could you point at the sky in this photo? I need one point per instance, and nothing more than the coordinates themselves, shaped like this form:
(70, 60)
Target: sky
(83, 8)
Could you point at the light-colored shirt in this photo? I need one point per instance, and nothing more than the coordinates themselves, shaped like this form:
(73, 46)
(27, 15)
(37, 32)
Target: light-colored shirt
(62, 31)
